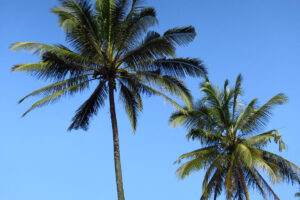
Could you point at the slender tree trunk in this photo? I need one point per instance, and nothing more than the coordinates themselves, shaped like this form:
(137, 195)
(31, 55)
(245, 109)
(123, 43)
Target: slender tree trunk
(118, 171)
(244, 184)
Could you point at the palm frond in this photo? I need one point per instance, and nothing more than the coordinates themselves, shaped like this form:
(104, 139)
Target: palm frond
(215, 164)
(288, 171)
(181, 36)
(29, 67)
(156, 92)
(237, 92)
(200, 158)
(205, 137)
(135, 25)
(244, 154)
(178, 67)
(153, 47)
(89, 108)
(178, 118)
(57, 95)
(255, 181)
(132, 103)
(266, 185)
(169, 84)
(82, 27)
(260, 116)
(214, 184)
(262, 139)
(40, 48)
(244, 116)
(58, 86)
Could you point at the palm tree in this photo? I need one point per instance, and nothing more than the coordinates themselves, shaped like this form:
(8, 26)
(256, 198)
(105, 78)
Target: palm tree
(113, 48)
(233, 153)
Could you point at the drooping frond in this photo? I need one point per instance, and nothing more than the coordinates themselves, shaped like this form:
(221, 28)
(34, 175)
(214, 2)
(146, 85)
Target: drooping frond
(214, 184)
(58, 68)
(169, 84)
(178, 118)
(263, 139)
(89, 108)
(156, 92)
(214, 165)
(244, 154)
(29, 67)
(266, 185)
(56, 87)
(288, 171)
(57, 95)
(132, 102)
(59, 50)
(199, 159)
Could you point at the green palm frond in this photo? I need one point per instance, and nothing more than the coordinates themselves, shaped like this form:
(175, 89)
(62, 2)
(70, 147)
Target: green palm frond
(179, 67)
(256, 182)
(29, 67)
(89, 108)
(57, 87)
(244, 116)
(260, 116)
(244, 154)
(205, 137)
(214, 186)
(237, 92)
(152, 47)
(199, 159)
(132, 103)
(178, 118)
(156, 92)
(56, 95)
(40, 49)
(181, 36)
(262, 139)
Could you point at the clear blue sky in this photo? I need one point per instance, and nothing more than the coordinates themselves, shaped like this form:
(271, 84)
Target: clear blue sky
(40, 160)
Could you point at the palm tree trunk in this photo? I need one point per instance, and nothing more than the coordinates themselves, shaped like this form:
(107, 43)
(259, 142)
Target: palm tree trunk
(244, 184)
(114, 125)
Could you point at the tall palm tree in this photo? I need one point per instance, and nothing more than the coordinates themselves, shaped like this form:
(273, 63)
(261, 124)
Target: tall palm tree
(113, 48)
(233, 151)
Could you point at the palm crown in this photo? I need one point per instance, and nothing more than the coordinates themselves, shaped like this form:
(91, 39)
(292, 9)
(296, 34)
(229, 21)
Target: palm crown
(108, 49)
(233, 154)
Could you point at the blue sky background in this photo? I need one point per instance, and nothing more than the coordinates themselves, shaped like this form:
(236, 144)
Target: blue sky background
(40, 160)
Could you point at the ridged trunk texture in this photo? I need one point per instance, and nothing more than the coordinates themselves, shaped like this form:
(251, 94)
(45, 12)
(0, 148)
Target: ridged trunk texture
(118, 170)
(244, 184)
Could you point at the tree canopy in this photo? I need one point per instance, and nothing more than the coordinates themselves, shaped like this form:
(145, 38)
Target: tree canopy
(233, 149)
